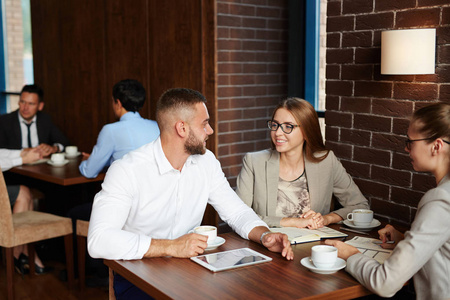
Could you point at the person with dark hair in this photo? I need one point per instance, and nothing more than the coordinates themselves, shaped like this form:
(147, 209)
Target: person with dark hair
(29, 127)
(423, 252)
(292, 184)
(129, 133)
(153, 197)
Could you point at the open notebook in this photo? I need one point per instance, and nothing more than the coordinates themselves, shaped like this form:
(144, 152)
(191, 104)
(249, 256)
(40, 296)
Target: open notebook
(303, 235)
(368, 248)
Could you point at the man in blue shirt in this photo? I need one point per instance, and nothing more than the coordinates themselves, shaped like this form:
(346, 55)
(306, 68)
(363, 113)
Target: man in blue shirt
(129, 133)
(114, 141)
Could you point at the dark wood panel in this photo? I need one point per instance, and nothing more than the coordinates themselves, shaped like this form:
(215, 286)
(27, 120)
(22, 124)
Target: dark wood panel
(69, 62)
(127, 39)
(82, 48)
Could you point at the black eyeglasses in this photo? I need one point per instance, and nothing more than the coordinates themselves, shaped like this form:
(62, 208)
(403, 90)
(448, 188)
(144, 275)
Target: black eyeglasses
(408, 142)
(286, 127)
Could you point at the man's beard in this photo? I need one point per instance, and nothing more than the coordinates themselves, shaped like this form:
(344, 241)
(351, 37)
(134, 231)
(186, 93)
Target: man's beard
(193, 145)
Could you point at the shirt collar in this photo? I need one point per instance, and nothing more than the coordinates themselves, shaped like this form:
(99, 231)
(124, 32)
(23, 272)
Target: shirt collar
(22, 120)
(163, 163)
(130, 115)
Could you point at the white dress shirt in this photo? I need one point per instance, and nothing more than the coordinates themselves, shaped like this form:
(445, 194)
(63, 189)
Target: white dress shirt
(24, 131)
(33, 134)
(144, 197)
(9, 159)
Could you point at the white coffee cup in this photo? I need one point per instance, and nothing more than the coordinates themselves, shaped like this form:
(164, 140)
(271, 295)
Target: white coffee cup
(361, 217)
(57, 158)
(72, 150)
(209, 231)
(323, 256)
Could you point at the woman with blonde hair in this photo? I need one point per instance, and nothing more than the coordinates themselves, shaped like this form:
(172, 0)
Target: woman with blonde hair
(292, 184)
(423, 252)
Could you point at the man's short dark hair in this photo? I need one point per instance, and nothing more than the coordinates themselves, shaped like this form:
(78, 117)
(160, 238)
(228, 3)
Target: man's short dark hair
(130, 93)
(179, 98)
(33, 89)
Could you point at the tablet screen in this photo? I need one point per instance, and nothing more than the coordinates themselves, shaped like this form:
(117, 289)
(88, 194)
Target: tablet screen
(230, 259)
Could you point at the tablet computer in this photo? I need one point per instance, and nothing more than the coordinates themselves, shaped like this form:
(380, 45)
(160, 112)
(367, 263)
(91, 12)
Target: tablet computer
(230, 259)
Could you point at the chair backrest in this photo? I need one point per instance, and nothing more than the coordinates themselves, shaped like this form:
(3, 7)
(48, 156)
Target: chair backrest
(6, 223)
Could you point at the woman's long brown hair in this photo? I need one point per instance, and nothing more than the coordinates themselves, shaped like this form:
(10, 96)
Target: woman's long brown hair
(307, 118)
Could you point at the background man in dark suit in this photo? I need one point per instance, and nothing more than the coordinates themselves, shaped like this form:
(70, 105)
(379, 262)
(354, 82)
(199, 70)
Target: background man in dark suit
(29, 127)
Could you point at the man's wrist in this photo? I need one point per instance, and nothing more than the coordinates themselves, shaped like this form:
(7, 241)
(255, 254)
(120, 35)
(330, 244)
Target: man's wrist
(262, 236)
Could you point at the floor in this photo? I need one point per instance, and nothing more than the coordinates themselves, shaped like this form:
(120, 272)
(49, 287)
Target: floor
(48, 287)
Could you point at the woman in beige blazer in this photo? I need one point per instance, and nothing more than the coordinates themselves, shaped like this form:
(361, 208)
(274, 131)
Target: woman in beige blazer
(293, 183)
(424, 251)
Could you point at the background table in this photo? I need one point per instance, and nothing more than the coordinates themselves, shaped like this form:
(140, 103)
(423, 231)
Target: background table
(68, 174)
(175, 278)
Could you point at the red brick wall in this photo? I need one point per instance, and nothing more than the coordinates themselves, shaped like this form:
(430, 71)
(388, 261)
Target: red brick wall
(252, 75)
(366, 112)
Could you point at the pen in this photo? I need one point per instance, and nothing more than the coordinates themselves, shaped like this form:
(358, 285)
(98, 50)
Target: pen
(355, 231)
(380, 242)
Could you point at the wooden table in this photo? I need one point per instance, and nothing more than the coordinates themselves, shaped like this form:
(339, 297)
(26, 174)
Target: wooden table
(68, 174)
(175, 278)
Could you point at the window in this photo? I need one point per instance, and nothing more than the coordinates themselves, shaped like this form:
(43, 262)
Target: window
(307, 52)
(16, 55)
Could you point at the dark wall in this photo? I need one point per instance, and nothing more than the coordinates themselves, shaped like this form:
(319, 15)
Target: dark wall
(366, 112)
(82, 48)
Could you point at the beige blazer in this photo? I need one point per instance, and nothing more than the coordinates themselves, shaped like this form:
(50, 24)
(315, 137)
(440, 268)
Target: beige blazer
(424, 253)
(257, 185)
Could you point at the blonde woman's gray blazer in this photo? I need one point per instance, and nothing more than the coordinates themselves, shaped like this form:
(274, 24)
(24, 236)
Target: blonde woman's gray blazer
(257, 185)
(424, 254)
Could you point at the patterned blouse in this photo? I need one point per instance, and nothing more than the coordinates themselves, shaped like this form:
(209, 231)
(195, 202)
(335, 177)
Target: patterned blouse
(293, 197)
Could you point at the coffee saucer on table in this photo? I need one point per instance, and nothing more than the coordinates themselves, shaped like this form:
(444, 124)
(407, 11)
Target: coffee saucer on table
(59, 164)
(375, 223)
(218, 242)
(307, 262)
(73, 155)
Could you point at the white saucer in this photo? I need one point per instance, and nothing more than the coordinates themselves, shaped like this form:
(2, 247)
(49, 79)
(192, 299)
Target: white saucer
(375, 223)
(218, 242)
(72, 156)
(50, 162)
(340, 264)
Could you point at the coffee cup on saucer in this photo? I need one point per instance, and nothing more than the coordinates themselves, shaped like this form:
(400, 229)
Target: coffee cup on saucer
(57, 158)
(71, 150)
(361, 217)
(209, 231)
(323, 256)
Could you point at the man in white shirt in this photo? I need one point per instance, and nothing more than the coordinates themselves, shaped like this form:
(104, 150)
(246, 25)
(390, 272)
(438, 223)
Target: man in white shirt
(153, 196)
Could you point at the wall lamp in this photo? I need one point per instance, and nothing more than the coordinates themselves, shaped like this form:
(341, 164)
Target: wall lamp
(408, 51)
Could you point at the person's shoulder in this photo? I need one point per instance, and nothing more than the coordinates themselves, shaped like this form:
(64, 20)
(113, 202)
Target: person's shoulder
(208, 156)
(262, 154)
(42, 116)
(442, 191)
(329, 156)
(140, 155)
(150, 122)
(9, 116)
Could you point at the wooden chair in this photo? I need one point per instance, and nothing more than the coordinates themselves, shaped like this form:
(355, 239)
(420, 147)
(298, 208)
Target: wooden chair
(112, 296)
(27, 228)
(82, 232)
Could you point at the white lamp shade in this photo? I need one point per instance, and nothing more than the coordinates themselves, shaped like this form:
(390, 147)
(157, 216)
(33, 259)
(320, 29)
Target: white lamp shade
(409, 51)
